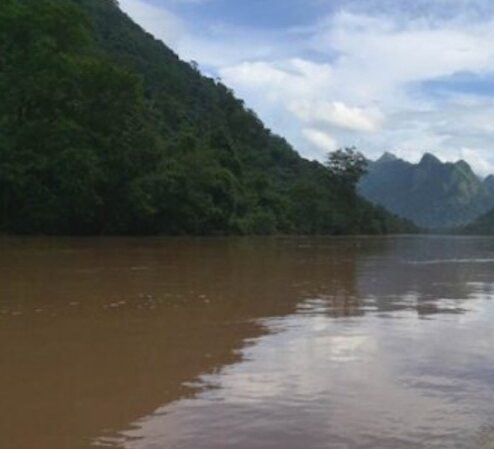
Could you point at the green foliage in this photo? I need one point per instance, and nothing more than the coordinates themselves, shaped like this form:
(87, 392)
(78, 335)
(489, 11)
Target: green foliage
(347, 165)
(104, 130)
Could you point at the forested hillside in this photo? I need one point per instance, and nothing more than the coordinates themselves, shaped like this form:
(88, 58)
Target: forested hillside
(104, 130)
(431, 193)
(482, 226)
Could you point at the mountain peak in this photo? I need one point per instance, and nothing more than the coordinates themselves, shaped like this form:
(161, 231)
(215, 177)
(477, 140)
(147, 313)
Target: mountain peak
(429, 159)
(465, 166)
(387, 157)
(431, 193)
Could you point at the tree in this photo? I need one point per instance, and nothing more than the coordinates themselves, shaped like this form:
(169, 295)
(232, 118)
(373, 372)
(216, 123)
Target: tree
(347, 165)
(104, 130)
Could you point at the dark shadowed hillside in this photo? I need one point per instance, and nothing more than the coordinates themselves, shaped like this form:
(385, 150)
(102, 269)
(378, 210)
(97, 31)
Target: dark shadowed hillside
(431, 193)
(482, 226)
(489, 182)
(105, 130)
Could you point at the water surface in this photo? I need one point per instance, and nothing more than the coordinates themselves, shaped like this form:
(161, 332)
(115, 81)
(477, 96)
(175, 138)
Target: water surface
(347, 343)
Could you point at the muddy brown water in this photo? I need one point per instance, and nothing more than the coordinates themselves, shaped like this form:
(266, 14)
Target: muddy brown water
(247, 343)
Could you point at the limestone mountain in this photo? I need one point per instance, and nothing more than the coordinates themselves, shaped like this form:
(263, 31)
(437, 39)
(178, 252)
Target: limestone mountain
(483, 225)
(431, 193)
(489, 182)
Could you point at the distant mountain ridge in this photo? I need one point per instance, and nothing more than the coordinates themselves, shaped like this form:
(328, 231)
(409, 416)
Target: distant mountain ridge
(489, 182)
(432, 193)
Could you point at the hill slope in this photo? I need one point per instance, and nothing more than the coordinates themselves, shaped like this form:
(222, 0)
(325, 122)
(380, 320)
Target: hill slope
(482, 226)
(431, 193)
(105, 130)
(489, 182)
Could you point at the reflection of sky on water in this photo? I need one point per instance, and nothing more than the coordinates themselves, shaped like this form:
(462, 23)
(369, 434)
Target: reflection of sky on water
(375, 377)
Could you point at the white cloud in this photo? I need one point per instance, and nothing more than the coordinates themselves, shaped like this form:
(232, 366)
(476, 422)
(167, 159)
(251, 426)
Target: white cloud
(354, 77)
(262, 75)
(212, 51)
(367, 87)
(288, 79)
(477, 158)
(337, 114)
(320, 139)
(378, 57)
(158, 21)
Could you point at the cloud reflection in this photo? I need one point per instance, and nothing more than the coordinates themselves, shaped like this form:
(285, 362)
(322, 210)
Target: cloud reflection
(353, 366)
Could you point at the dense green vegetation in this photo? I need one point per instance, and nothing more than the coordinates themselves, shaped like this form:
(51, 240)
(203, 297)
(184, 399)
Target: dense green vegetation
(432, 194)
(104, 130)
(348, 166)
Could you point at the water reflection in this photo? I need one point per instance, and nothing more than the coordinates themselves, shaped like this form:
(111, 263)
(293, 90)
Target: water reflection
(241, 343)
(318, 383)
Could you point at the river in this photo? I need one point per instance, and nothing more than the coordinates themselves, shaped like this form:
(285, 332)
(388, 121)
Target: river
(247, 343)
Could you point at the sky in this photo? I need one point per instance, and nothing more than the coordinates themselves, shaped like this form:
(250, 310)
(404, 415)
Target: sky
(403, 76)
